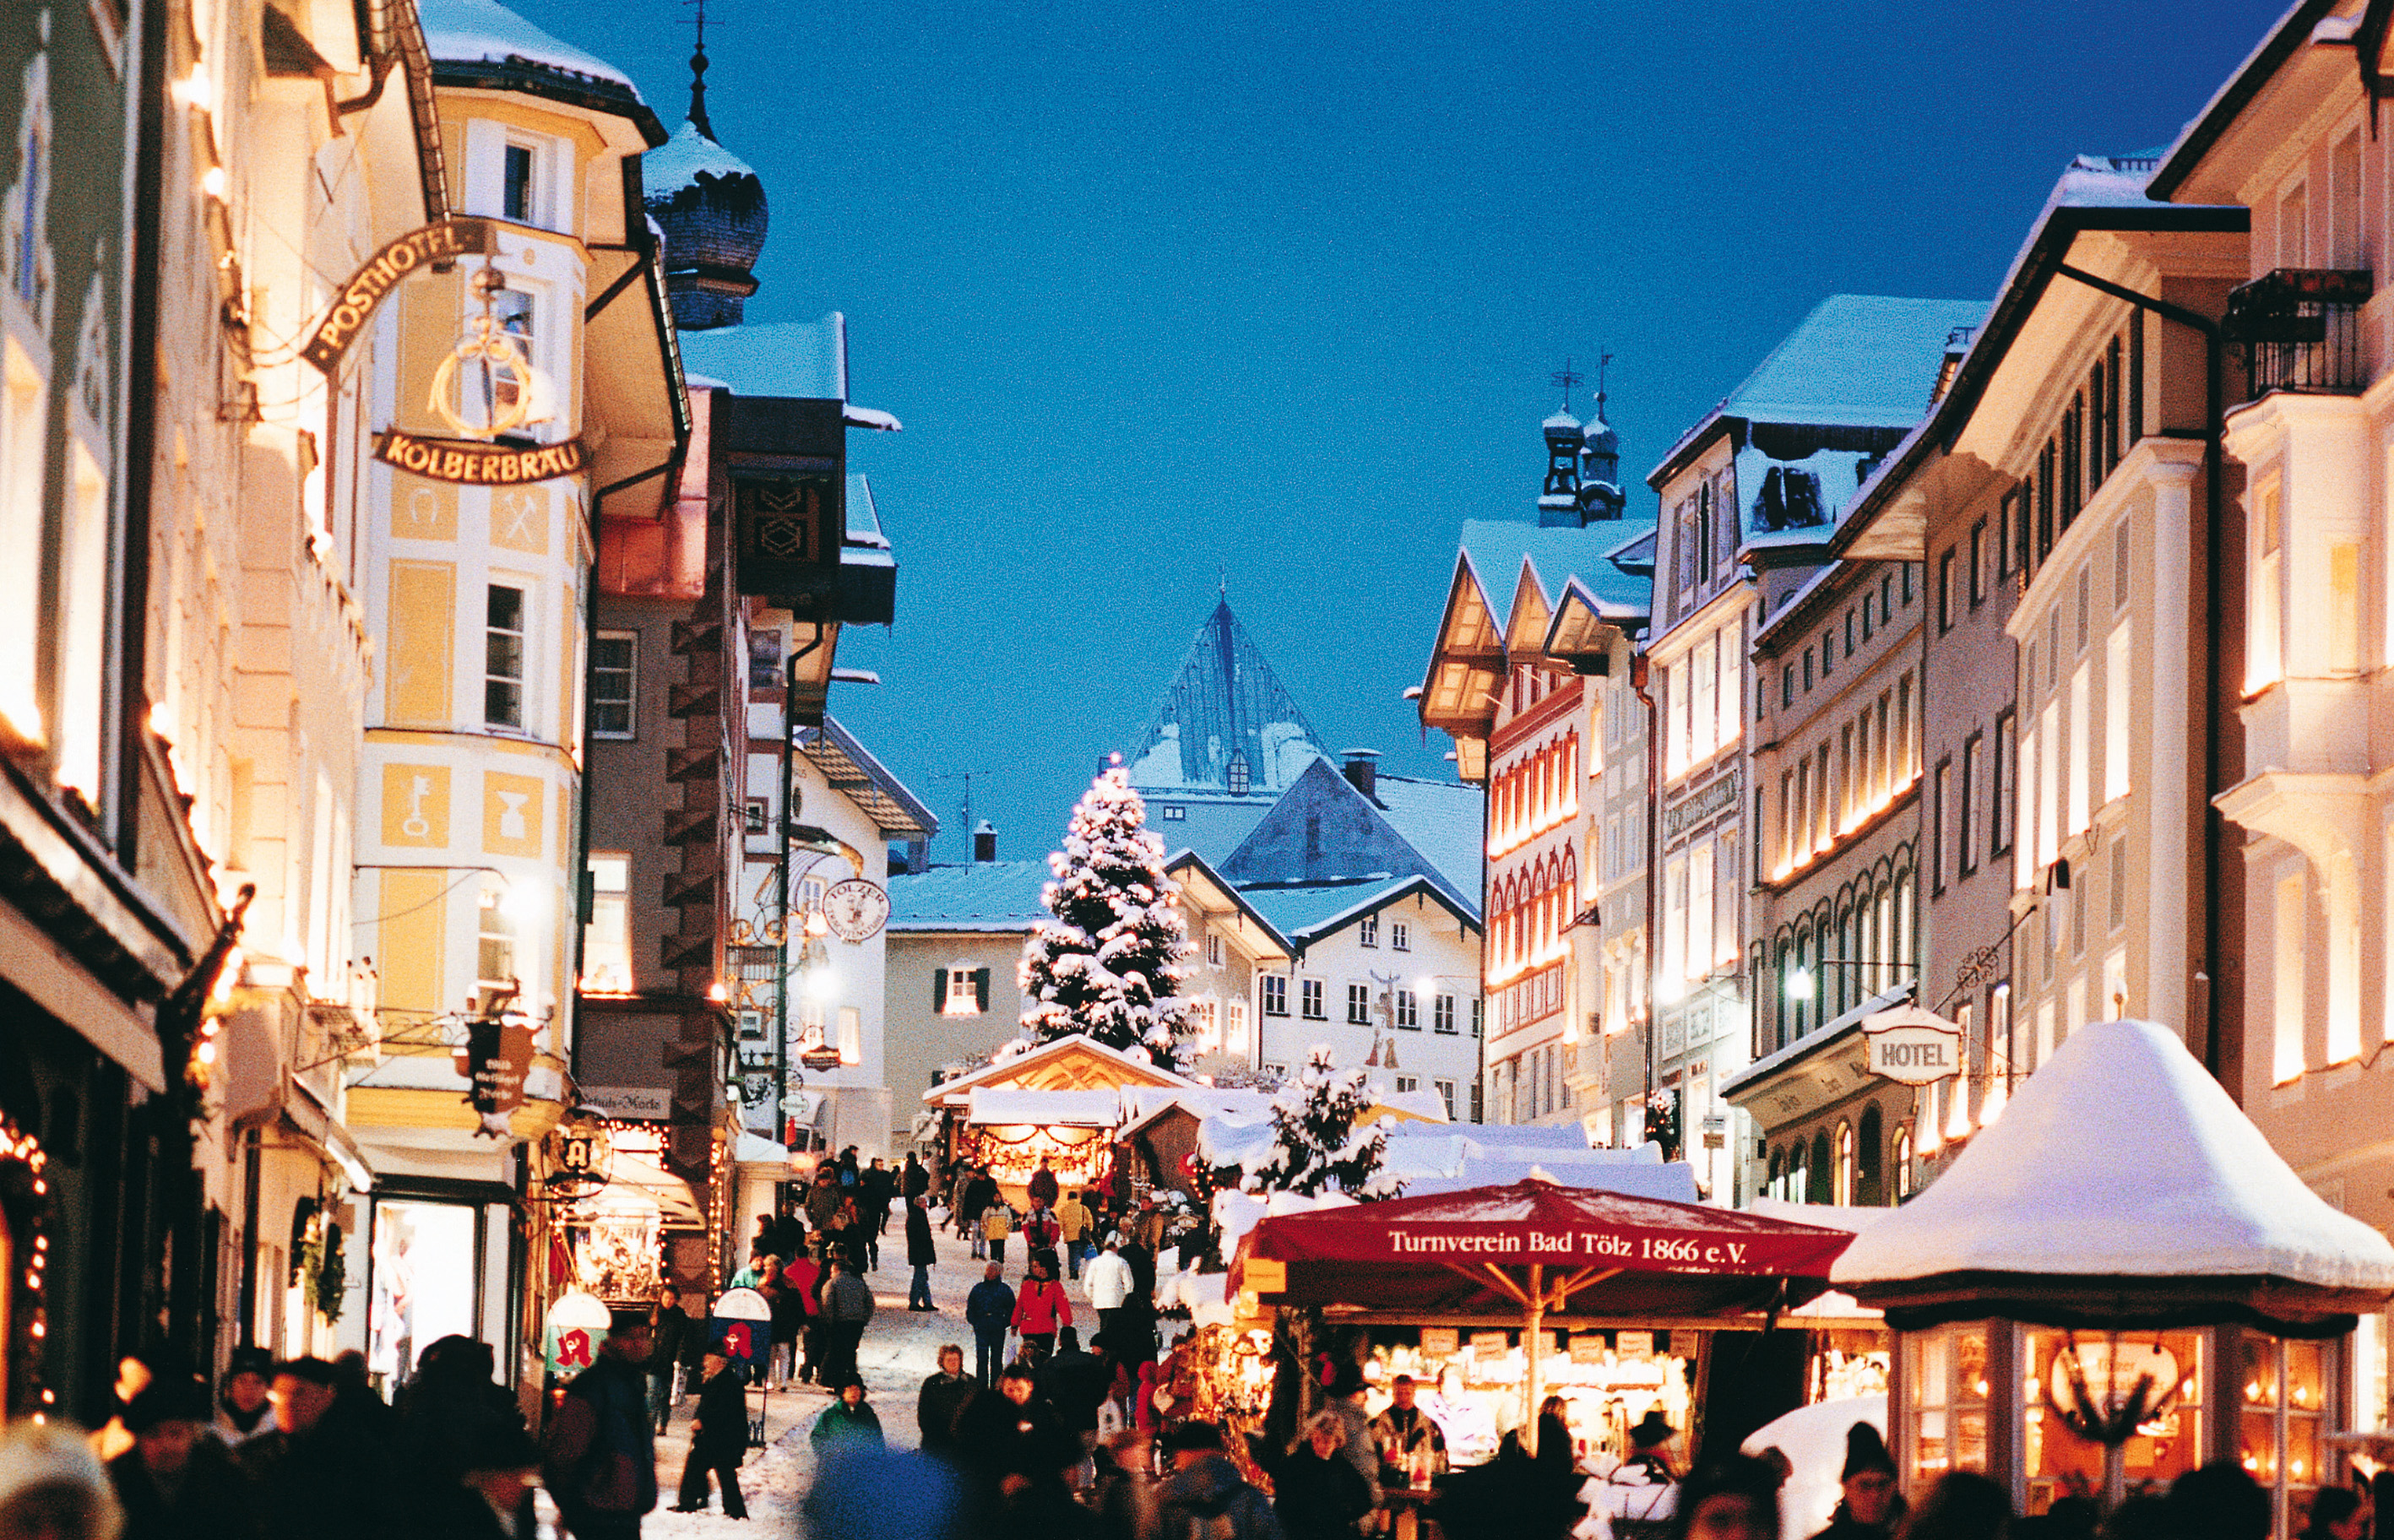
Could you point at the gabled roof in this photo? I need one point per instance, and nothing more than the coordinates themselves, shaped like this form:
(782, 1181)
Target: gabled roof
(1501, 566)
(482, 44)
(1224, 704)
(996, 896)
(1074, 1063)
(1323, 830)
(1858, 360)
(1307, 912)
(1193, 871)
(1212, 823)
(1443, 821)
(863, 779)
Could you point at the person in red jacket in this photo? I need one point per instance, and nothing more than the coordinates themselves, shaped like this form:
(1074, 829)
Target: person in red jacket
(1040, 1307)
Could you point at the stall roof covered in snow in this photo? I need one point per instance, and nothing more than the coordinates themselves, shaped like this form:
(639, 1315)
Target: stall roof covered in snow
(987, 895)
(2122, 1159)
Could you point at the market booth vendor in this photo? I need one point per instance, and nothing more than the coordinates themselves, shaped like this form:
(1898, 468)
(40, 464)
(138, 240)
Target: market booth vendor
(1509, 1292)
(2117, 1283)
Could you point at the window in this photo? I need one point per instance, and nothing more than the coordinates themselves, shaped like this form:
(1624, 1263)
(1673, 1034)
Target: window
(2268, 627)
(81, 625)
(1965, 819)
(757, 815)
(1367, 930)
(23, 423)
(1442, 1014)
(1275, 994)
(1828, 653)
(494, 952)
(2115, 715)
(517, 188)
(1945, 591)
(1238, 775)
(966, 993)
(1978, 563)
(1408, 1010)
(1234, 1025)
(1359, 1004)
(2006, 532)
(1939, 791)
(1213, 952)
(1807, 668)
(1308, 994)
(1408, 1083)
(1445, 1089)
(1866, 617)
(1172, 812)
(1786, 686)
(502, 659)
(614, 656)
(606, 934)
(1475, 1016)
(1401, 936)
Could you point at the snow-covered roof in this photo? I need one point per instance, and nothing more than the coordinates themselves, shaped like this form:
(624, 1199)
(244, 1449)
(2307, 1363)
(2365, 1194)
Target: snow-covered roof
(1440, 819)
(1144, 1104)
(1496, 547)
(793, 360)
(1422, 1104)
(2121, 1158)
(485, 31)
(1007, 1107)
(1135, 1069)
(1858, 361)
(1307, 912)
(1224, 704)
(986, 895)
(856, 775)
(682, 159)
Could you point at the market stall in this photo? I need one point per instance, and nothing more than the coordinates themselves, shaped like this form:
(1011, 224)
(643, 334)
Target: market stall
(2116, 1282)
(1063, 1100)
(1511, 1291)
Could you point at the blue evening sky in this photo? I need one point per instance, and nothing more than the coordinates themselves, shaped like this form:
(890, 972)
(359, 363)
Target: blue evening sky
(1165, 292)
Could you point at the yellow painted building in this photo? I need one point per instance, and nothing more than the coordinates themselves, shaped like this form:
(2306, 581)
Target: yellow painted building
(469, 839)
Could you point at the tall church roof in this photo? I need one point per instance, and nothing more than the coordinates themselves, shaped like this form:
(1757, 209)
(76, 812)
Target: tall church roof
(1226, 724)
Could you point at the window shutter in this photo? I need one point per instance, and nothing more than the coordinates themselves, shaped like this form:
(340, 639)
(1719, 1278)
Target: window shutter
(938, 991)
(980, 988)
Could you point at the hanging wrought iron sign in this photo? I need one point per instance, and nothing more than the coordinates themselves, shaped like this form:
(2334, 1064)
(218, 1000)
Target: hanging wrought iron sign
(856, 908)
(489, 368)
(495, 1059)
(1912, 1046)
(478, 464)
(418, 251)
(581, 1157)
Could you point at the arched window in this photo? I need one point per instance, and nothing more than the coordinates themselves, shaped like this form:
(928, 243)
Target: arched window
(1868, 1188)
(1845, 1188)
(1843, 974)
(1778, 1174)
(1817, 1187)
(1903, 1163)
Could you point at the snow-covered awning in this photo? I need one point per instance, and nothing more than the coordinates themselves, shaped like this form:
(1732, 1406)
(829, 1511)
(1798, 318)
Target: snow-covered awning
(2121, 1186)
(1010, 1108)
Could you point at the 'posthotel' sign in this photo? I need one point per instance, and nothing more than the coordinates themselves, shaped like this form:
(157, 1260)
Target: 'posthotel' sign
(1912, 1046)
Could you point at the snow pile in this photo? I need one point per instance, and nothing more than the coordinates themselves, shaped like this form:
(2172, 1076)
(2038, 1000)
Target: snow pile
(2122, 1157)
(682, 160)
(1107, 964)
(1207, 1295)
(1813, 1439)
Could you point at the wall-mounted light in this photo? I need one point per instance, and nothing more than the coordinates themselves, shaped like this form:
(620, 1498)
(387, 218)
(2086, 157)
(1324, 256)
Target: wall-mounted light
(1799, 985)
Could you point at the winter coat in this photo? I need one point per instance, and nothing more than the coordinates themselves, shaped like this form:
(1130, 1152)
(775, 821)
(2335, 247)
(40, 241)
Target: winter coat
(1106, 1279)
(721, 1421)
(922, 1251)
(996, 1439)
(668, 1336)
(823, 1203)
(990, 1306)
(211, 1502)
(1399, 1432)
(601, 1457)
(1359, 1451)
(1075, 1382)
(914, 1180)
(848, 1300)
(843, 1424)
(1041, 1230)
(941, 1402)
(1041, 1308)
(1044, 1187)
(334, 1482)
(1074, 1217)
(1210, 1500)
(1319, 1499)
(996, 1222)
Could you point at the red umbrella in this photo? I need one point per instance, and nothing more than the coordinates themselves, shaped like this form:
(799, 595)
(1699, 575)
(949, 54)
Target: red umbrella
(1533, 1245)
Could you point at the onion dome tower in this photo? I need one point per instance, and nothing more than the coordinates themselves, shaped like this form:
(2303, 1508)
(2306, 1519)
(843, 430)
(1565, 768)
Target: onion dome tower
(1600, 496)
(710, 203)
(1559, 500)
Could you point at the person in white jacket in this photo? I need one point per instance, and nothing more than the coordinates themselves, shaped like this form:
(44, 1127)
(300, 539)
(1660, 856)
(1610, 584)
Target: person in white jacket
(1107, 1282)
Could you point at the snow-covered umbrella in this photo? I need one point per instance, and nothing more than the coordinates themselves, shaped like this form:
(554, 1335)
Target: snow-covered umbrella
(1536, 1246)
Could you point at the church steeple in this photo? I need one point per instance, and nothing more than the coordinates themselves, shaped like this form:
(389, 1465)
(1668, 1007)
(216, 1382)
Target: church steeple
(1559, 501)
(1600, 496)
(711, 205)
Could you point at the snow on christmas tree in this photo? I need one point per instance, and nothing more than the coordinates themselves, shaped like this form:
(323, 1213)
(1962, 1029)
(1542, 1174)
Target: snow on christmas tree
(1320, 1140)
(1108, 964)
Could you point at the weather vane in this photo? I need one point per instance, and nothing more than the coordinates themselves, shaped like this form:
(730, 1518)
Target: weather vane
(1602, 359)
(698, 71)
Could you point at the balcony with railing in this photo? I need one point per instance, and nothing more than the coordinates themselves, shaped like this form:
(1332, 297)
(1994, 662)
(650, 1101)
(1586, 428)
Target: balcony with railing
(2299, 329)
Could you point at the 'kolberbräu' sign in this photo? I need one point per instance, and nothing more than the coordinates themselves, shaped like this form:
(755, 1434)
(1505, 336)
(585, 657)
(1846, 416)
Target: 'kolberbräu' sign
(478, 464)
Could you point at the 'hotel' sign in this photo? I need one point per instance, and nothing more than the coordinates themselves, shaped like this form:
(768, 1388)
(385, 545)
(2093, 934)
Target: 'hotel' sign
(1912, 1046)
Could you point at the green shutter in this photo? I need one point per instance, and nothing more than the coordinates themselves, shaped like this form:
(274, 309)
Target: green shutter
(980, 988)
(938, 989)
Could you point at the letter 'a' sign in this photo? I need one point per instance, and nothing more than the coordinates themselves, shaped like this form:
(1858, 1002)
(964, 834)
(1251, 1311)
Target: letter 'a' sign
(1912, 1046)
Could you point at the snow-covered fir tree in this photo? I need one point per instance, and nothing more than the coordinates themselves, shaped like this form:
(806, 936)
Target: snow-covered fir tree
(1108, 964)
(1320, 1140)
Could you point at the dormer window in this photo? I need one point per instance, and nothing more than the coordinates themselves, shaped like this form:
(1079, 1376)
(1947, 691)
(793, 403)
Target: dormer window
(1238, 775)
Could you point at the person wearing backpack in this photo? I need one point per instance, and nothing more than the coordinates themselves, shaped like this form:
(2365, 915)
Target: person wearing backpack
(1205, 1498)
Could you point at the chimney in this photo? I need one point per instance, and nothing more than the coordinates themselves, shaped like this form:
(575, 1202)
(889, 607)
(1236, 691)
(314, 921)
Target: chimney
(1364, 772)
(918, 856)
(984, 842)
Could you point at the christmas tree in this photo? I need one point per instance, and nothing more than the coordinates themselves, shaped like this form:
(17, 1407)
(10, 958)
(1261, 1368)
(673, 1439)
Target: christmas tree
(1319, 1140)
(1108, 964)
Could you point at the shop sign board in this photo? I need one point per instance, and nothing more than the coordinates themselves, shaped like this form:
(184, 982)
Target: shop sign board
(421, 250)
(629, 1102)
(1440, 1341)
(1266, 1275)
(1912, 1046)
(1489, 1342)
(1588, 1348)
(472, 463)
(496, 1057)
(1635, 1344)
(742, 1327)
(577, 1324)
